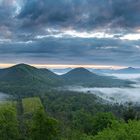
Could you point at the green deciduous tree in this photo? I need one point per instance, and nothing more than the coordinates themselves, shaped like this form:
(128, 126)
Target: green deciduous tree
(102, 121)
(8, 123)
(90, 124)
(120, 131)
(129, 113)
(43, 127)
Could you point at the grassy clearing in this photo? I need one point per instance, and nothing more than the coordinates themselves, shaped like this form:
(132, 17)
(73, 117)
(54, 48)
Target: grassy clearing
(30, 105)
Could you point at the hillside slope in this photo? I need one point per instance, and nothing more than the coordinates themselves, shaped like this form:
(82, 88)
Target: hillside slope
(24, 78)
(81, 76)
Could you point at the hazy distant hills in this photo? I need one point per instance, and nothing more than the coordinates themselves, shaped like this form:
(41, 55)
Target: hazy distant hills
(24, 78)
(129, 70)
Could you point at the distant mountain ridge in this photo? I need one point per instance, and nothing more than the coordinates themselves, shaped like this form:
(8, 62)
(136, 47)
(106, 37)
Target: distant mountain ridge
(24, 78)
(129, 70)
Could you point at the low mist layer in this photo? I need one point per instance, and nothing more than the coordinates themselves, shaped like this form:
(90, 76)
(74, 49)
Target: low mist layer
(3, 96)
(120, 95)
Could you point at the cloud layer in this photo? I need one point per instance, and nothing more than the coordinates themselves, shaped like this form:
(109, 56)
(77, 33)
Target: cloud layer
(70, 31)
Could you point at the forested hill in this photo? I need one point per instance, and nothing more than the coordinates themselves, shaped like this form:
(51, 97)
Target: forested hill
(81, 76)
(24, 78)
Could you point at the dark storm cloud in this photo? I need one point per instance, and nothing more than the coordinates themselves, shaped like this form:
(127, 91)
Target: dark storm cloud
(81, 14)
(34, 16)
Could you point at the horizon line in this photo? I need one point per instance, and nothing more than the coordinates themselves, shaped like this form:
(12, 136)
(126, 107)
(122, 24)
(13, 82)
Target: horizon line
(61, 66)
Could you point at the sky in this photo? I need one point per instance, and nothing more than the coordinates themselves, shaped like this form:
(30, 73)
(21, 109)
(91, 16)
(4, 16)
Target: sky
(63, 33)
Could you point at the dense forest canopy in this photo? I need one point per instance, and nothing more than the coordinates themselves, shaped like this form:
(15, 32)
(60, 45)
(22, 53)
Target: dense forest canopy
(66, 115)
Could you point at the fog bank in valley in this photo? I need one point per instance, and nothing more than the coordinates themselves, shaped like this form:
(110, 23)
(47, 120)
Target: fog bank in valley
(3, 96)
(120, 95)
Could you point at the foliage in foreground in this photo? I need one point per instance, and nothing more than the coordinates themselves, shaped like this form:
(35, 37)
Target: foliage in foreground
(8, 122)
(121, 131)
(43, 127)
(80, 117)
